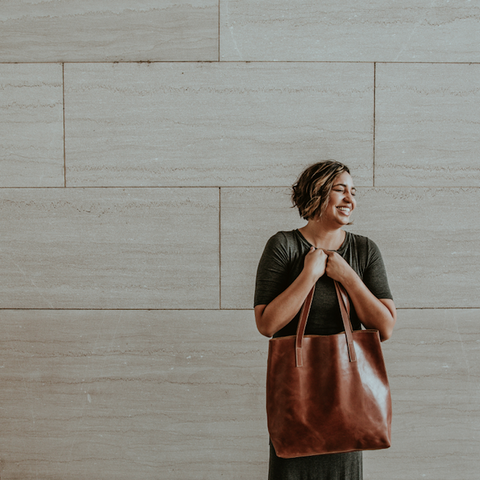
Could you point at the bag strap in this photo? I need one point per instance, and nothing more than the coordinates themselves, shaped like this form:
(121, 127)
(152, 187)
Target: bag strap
(344, 302)
(301, 327)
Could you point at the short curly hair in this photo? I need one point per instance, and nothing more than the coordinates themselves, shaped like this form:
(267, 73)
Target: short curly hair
(311, 191)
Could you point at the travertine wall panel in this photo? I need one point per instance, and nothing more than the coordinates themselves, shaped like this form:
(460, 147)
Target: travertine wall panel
(427, 240)
(427, 125)
(109, 248)
(107, 31)
(214, 124)
(31, 126)
(143, 394)
(249, 217)
(432, 360)
(378, 30)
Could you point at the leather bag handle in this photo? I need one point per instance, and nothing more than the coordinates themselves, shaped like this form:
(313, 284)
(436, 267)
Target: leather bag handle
(344, 302)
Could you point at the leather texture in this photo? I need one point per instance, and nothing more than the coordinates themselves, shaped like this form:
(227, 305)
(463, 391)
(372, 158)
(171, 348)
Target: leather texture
(327, 393)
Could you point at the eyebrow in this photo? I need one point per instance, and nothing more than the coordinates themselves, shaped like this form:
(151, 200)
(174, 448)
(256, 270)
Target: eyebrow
(343, 185)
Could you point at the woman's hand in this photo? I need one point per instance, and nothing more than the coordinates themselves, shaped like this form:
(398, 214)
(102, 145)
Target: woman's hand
(337, 268)
(372, 312)
(281, 310)
(315, 262)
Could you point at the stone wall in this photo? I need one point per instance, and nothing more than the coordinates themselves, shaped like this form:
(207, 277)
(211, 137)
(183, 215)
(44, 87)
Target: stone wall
(146, 153)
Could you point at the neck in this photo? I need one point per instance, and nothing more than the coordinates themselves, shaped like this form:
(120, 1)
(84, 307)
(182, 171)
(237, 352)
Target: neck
(321, 237)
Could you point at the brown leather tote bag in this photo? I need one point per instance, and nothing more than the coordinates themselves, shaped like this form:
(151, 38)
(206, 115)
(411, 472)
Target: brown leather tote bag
(327, 393)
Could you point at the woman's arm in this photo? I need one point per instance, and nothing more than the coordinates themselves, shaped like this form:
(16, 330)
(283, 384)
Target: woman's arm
(281, 310)
(372, 312)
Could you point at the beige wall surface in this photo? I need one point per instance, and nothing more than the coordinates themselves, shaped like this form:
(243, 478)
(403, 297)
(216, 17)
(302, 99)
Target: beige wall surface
(213, 124)
(351, 31)
(146, 156)
(32, 130)
(108, 31)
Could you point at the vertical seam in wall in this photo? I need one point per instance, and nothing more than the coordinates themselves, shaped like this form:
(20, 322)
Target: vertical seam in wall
(218, 32)
(374, 120)
(220, 248)
(64, 150)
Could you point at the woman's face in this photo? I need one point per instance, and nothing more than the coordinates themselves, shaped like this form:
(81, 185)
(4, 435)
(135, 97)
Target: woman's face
(341, 202)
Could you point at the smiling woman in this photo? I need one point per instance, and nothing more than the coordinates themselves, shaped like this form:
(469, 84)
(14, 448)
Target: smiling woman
(320, 254)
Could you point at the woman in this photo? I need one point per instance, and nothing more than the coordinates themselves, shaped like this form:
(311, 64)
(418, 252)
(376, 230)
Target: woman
(319, 253)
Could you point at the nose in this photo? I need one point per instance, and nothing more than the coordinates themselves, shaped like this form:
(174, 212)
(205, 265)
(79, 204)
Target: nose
(349, 196)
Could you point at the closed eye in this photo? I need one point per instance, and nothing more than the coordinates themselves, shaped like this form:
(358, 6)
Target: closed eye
(342, 190)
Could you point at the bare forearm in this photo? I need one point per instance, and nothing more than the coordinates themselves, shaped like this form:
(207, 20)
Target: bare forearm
(372, 312)
(280, 311)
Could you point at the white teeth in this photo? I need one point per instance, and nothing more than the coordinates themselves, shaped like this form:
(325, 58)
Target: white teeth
(344, 209)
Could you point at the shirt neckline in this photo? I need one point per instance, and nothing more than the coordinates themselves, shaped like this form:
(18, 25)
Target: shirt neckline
(342, 248)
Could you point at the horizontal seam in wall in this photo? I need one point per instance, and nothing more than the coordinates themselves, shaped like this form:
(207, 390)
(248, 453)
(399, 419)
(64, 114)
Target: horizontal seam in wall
(129, 309)
(238, 61)
(198, 309)
(335, 61)
(382, 187)
(115, 187)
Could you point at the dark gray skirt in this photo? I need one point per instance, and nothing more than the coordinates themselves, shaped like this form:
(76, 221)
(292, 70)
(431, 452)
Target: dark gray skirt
(336, 466)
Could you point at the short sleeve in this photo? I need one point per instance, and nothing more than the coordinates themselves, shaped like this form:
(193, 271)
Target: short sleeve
(272, 270)
(375, 275)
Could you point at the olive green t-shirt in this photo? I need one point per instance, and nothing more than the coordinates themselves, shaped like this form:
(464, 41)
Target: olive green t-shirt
(282, 261)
